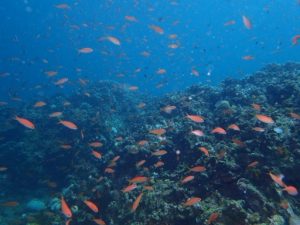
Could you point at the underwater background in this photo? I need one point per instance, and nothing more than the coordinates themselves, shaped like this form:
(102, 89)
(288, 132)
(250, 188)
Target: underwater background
(149, 112)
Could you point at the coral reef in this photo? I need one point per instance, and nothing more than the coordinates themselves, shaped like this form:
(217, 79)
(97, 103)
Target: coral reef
(235, 187)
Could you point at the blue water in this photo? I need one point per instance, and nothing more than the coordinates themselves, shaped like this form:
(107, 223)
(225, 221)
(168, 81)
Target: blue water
(33, 31)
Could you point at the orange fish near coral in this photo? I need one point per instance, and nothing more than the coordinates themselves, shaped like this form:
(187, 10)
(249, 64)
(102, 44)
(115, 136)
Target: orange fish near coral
(129, 188)
(39, 104)
(212, 218)
(97, 154)
(234, 127)
(136, 202)
(160, 131)
(277, 179)
(99, 221)
(96, 144)
(69, 124)
(195, 118)
(198, 169)
(91, 205)
(65, 208)
(159, 152)
(264, 118)
(187, 179)
(291, 190)
(139, 179)
(204, 150)
(168, 109)
(192, 201)
(198, 133)
(218, 130)
(25, 122)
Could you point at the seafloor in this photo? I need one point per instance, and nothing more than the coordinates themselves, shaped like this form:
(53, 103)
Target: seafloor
(40, 165)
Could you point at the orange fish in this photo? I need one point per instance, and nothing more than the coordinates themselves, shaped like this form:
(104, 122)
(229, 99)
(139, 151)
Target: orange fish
(140, 163)
(247, 22)
(136, 202)
(160, 131)
(139, 179)
(295, 39)
(85, 50)
(131, 18)
(61, 81)
(187, 179)
(91, 205)
(157, 29)
(97, 154)
(10, 204)
(212, 218)
(99, 221)
(96, 144)
(109, 170)
(248, 57)
(39, 104)
(68, 221)
(143, 142)
(204, 150)
(168, 109)
(277, 179)
(230, 22)
(129, 188)
(295, 116)
(148, 188)
(256, 106)
(159, 152)
(258, 129)
(198, 133)
(291, 190)
(133, 88)
(25, 122)
(198, 169)
(113, 40)
(159, 164)
(218, 130)
(195, 118)
(66, 146)
(55, 114)
(234, 127)
(65, 208)
(264, 118)
(161, 71)
(192, 201)
(51, 73)
(68, 124)
(253, 164)
(62, 6)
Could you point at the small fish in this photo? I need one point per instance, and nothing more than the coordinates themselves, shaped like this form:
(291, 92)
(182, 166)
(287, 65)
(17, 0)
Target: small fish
(256, 106)
(234, 127)
(187, 179)
(295, 116)
(159, 132)
(65, 208)
(114, 40)
(212, 218)
(133, 88)
(85, 50)
(142, 142)
(62, 6)
(252, 164)
(159, 164)
(159, 153)
(157, 29)
(109, 170)
(295, 39)
(192, 201)
(198, 169)
(136, 202)
(99, 221)
(68, 124)
(61, 81)
(139, 179)
(277, 179)
(218, 130)
(248, 57)
(204, 150)
(291, 190)
(247, 22)
(140, 163)
(98, 155)
(258, 129)
(264, 118)
(131, 18)
(96, 144)
(129, 188)
(198, 133)
(55, 114)
(25, 122)
(229, 23)
(168, 109)
(10, 204)
(91, 205)
(195, 118)
(39, 104)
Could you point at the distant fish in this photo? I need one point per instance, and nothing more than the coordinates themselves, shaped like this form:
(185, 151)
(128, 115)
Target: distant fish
(25, 122)
(248, 57)
(229, 23)
(291, 190)
(264, 118)
(258, 129)
(69, 124)
(212, 218)
(129, 188)
(61, 81)
(198, 169)
(159, 131)
(55, 114)
(133, 88)
(218, 130)
(187, 179)
(10, 204)
(252, 164)
(159, 152)
(195, 118)
(131, 18)
(256, 106)
(86, 50)
(198, 133)
(65, 208)
(139, 179)
(99, 221)
(168, 109)
(96, 154)
(136, 202)
(295, 116)
(111, 39)
(159, 164)
(247, 22)
(192, 201)
(277, 179)
(234, 127)
(39, 104)
(91, 205)
(96, 144)
(204, 150)
(295, 39)
(157, 29)
(62, 6)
